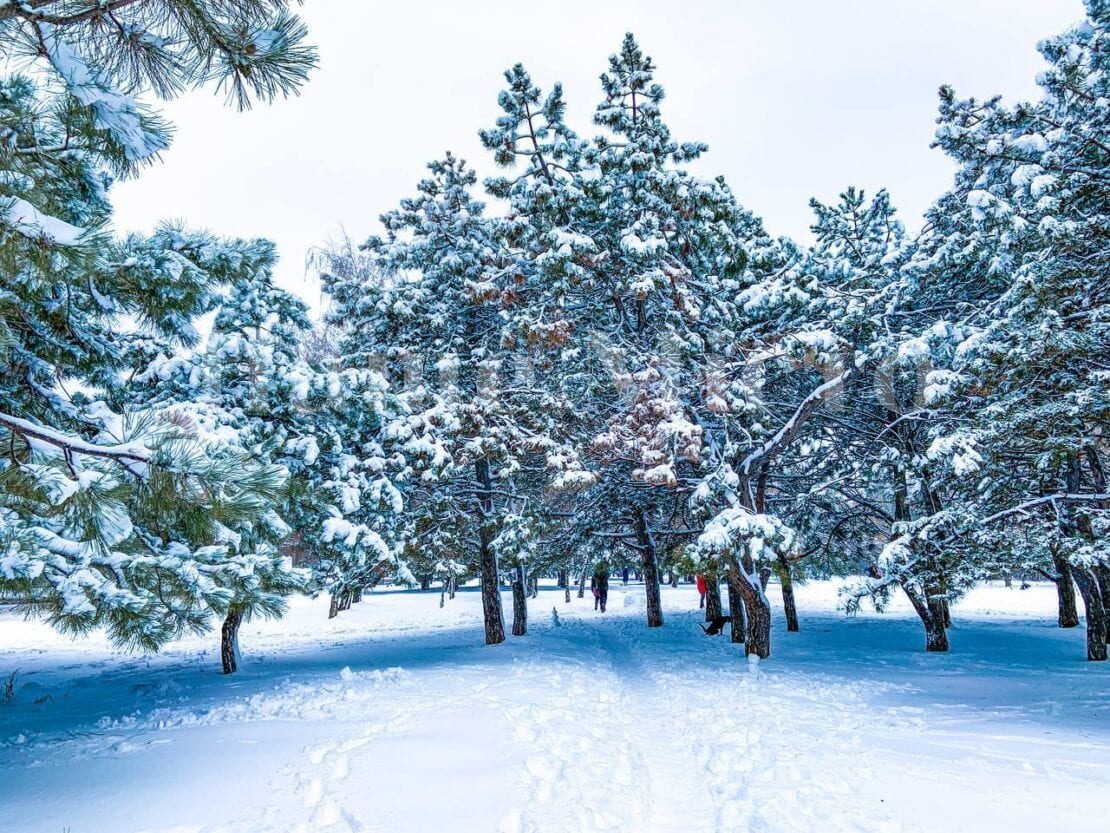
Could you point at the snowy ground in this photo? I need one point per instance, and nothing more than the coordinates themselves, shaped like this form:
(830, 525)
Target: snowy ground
(394, 717)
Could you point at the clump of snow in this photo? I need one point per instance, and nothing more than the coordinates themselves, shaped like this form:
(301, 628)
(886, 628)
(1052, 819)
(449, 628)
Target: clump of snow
(30, 222)
(113, 111)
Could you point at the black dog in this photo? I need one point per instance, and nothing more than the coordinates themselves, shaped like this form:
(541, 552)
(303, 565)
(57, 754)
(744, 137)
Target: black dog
(717, 625)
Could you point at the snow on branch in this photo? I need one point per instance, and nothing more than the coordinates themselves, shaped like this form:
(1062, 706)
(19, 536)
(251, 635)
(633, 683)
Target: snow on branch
(113, 111)
(124, 453)
(789, 431)
(28, 221)
(1062, 497)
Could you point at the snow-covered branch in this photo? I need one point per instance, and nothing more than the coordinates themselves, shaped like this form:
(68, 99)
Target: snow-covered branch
(124, 452)
(785, 435)
(1061, 497)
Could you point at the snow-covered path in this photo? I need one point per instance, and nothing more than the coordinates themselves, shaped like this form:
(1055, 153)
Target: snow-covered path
(395, 718)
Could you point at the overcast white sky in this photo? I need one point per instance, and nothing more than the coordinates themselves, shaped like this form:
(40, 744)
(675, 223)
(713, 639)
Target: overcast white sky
(796, 99)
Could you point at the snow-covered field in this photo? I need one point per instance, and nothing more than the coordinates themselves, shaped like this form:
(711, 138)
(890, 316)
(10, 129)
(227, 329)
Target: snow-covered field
(394, 717)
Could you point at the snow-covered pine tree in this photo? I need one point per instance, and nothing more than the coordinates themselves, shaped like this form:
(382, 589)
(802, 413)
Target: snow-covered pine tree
(1024, 382)
(805, 332)
(348, 510)
(327, 425)
(866, 456)
(551, 259)
(128, 520)
(429, 307)
(105, 50)
(657, 245)
(116, 516)
(238, 391)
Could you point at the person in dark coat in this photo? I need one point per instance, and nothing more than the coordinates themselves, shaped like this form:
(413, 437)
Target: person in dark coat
(624, 576)
(600, 585)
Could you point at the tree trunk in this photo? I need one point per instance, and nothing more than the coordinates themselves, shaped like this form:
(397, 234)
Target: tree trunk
(736, 612)
(520, 602)
(229, 640)
(1102, 573)
(932, 617)
(491, 591)
(1089, 589)
(743, 578)
(1078, 523)
(651, 571)
(764, 577)
(788, 605)
(582, 581)
(452, 584)
(712, 595)
(562, 580)
(1068, 614)
(425, 581)
(333, 607)
(356, 595)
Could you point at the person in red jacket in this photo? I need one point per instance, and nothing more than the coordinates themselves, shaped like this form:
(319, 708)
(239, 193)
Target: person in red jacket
(701, 590)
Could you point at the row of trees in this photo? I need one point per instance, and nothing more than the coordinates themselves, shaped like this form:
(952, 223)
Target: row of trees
(619, 358)
(617, 362)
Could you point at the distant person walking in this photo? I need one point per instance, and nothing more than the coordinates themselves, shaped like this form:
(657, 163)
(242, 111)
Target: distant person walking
(600, 585)
(624, 576)
(701, 590)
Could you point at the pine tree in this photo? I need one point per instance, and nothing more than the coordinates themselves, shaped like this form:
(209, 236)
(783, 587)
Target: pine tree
(104, 50)
(1023, 383)
(879, 434)
(430, 307)
(647, 314)
(134, 518)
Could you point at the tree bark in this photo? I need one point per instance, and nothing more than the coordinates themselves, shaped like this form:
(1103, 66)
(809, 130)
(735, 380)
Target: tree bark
(1102, 573)
(1089, 589)
(1067, 613)
(1078, 523)
(932, 617)
(229, 640)
(582, 582)
(520, 602)
(651, 571)
(789, 607)
(491, 591)
(712, 594)
(743, 579)
(736, 612)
